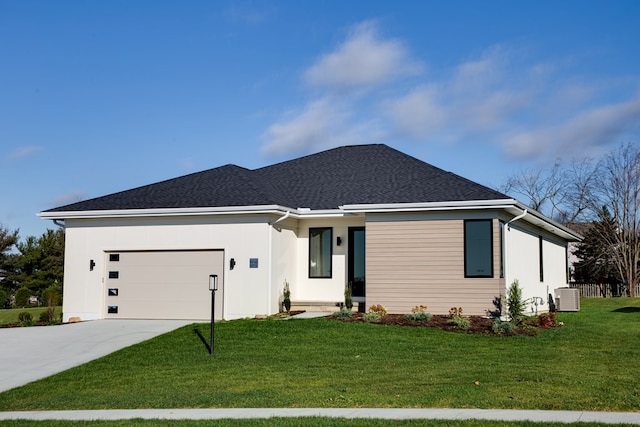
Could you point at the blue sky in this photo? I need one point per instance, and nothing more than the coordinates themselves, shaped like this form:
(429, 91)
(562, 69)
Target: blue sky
(102, 96)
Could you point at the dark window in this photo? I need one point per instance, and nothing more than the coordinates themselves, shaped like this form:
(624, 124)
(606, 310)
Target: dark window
(541, 256)
(320, 252)
(112, 309)
(478, 248)
(113, 292)
(501, 249)
(114, 274)
(114, 257)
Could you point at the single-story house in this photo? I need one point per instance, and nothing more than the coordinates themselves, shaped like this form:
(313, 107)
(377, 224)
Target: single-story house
(400, 231)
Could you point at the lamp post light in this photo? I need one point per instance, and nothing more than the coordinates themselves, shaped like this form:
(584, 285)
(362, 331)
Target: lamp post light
(213, 287)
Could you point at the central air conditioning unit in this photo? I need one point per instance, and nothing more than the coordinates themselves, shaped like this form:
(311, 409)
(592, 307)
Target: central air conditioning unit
(567, 299)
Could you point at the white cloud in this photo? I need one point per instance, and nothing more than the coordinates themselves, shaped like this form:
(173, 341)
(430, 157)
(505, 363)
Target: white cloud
(589, 129)
(322, 124)
(363, 59)
(22, 152)
(67, 198)
(530, 109)
(420, 114)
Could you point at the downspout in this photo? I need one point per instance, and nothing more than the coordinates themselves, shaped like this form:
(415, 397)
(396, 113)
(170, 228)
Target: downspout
(270, 272)
(59, 224)
(522, 215)
(505, 236)
(282, 218)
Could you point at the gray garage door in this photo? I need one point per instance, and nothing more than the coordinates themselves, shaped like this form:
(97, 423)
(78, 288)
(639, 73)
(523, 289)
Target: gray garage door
(162, 284)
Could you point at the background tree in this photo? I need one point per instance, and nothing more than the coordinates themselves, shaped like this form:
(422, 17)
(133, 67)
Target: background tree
(562, 193)
(38, 264)
(597, 262)
(8, 239)
(618, 188)
(579, 192)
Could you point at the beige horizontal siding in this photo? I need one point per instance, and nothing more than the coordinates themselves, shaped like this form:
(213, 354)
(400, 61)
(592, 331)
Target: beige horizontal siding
(411, 263)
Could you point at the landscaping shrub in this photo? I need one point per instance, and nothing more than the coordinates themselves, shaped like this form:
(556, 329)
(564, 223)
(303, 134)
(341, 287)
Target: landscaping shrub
(457, 319)
(371, 317)
(460, 322)
(286, 296)
(348, 296)
(419, 314)
(343, 313)
(547, 320)
(25, 318)
(378, 309)
(515, 303)
(52, 297)
(500, 327)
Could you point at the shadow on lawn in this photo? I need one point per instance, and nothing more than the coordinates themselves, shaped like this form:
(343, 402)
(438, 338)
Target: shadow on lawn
(202, 338)
(627, 310)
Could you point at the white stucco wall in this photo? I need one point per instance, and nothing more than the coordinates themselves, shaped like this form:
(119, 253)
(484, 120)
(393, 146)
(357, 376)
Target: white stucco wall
(522, 262)
(284, 238)
(246, 290)
(330, 289)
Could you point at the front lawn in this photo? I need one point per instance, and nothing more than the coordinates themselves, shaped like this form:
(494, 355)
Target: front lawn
(298, 422)
(589, 364)
(9, 316)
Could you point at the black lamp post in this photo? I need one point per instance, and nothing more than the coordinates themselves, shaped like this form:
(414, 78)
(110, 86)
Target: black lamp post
(213, 287)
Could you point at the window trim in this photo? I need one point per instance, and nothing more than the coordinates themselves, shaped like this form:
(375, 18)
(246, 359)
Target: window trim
(491, 266)
(330, 260)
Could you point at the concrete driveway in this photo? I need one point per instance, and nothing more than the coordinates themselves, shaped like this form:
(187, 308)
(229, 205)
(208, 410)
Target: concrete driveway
(29, 354)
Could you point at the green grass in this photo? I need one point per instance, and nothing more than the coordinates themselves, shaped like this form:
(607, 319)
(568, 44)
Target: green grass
(10, 315)
(589, 364)
(294, 422)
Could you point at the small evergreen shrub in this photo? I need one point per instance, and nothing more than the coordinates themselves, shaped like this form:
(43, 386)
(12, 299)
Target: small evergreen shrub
(348, 296)
(500, 327)
(286, 296)
(515, 303)
(25, 318)
(343, 313)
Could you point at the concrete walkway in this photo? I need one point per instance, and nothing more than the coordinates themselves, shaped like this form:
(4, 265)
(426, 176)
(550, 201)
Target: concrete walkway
(394, 413)
(29, 354)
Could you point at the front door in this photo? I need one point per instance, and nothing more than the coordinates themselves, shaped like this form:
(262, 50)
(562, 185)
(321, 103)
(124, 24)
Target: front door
(356, 273)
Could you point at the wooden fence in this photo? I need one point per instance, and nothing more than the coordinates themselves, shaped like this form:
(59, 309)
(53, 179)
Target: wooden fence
(603, 290)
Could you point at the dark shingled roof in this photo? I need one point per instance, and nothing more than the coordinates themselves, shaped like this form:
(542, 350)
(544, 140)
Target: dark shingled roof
(359, 174)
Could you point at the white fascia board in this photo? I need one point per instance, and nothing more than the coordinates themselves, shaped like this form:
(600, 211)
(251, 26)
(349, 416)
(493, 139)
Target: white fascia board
(130, 213)
(512, 205)
(225, 210)
(430, 206)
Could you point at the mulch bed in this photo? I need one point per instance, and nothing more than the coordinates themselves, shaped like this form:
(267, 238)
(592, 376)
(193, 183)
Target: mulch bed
(479, 324)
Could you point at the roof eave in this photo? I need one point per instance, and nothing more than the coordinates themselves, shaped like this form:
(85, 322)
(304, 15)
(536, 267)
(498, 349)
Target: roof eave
(133, 213)
(512, 206)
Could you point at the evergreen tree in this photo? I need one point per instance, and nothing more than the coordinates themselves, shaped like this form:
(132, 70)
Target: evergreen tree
(597, 257)
(39, 263)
